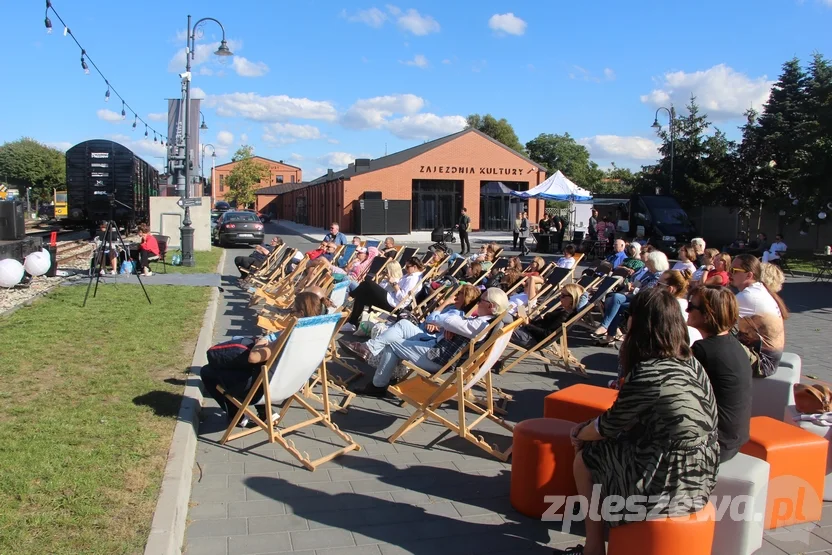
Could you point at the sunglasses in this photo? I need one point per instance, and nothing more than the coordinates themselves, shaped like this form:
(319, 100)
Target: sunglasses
(738, 271)
(691, 307)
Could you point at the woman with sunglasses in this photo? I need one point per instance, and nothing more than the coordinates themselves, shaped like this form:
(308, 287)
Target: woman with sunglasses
(572, 299)
(713, 310)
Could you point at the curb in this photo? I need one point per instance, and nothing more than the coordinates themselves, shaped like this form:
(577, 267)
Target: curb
(167, 531)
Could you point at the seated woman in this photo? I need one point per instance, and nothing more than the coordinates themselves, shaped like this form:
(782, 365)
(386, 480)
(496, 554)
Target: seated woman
(717, 274)
(237, 381)
(148, 247)
(687, 257)
(707, 264)
(109, 252)
(762, 315)
(654, 266)
(659, 440)
(572, 299)
(386, 295)
(473, 272)
(537, 266)
(568, 259)
(713, 310)
(677, 283)
(356, 269)
(633, 261)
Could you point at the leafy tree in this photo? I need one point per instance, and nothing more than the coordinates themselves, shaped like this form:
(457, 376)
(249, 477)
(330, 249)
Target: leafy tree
(617, 181)
(500, 130)
(748, 170)
(562, 152)
(246, 174)
(32, 165)
(699, 161)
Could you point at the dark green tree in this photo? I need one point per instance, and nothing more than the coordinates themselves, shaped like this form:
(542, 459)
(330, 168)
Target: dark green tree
(562, 152)
(32, 165)
(500, 130)
(616, 181)
(699, 162)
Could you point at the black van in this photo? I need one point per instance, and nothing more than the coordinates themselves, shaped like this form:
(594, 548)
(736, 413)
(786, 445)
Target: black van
(665, 223)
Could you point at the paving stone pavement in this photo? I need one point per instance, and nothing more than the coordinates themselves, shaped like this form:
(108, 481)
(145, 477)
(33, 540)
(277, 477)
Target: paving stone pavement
(430, 493)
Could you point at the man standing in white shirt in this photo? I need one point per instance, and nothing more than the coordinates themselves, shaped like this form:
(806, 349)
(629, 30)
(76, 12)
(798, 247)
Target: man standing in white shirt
(777, 247)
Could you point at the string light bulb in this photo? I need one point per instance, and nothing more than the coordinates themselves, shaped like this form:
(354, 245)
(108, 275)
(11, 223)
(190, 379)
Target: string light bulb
(145, 130)
(84, 62)
(107, 94)
(123, 111)
(135, 120)
(48, 23)
(154, 138)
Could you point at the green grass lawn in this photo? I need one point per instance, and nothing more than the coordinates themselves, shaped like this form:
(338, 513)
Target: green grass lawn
(88, 402)
(206, 262)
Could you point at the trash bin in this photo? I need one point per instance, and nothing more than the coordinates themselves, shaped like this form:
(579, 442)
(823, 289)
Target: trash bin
(53, 257)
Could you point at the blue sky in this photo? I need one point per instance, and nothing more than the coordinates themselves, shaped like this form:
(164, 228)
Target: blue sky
(317, 83)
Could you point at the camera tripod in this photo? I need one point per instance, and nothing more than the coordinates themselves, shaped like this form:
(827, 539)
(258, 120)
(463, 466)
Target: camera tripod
(101, 251)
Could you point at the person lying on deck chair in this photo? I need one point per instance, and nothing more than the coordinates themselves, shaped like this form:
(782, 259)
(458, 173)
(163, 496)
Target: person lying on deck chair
(572, 299)
(406, 341)
(253, 261)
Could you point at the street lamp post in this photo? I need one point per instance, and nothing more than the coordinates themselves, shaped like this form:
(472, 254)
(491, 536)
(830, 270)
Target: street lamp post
(202, 164)
(671, 112)
(187, 232)
(202, 127)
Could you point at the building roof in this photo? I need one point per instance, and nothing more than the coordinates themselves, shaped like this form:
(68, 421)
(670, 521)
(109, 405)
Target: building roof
(282, 188)
(261, 158)
(404, 155)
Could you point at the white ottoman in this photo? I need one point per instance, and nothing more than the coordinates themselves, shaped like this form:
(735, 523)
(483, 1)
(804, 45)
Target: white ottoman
(771, 396)
(744, 476)
(790, 360)
(818, 430)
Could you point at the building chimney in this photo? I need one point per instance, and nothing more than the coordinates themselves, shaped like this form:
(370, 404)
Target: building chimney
(362, 165)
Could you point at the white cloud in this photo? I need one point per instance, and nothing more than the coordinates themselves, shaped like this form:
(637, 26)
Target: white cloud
(337, 160)
(373, 17)
(417, 24)
(373, 112)
(203, 53)
(109, 115)
(507, 23)
(197, 93)
(63, 146)
(145, 148)
(296, 157)
(270, 108)
(294, 130)
(479, 66)
(204, 70)
(246, 68)
(243, 138)
(720, 91)
(333, 141)
(395, 10)
(616, 147)
(426, 126)
(158, 116)
(225, 138)
(418, 61)
(446, 61)
(609, 74)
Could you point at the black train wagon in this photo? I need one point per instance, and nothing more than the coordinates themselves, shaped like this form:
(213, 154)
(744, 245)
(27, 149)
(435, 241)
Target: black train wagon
(100, 170)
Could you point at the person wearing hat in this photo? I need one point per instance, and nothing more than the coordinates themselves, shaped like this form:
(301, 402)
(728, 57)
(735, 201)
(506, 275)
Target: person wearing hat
(261, 252)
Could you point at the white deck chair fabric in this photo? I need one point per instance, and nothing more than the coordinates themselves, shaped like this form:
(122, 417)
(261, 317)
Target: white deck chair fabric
(301, 356)
(494, 354)
(338, 295)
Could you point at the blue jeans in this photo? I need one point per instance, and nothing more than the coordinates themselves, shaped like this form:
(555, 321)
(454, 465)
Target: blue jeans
(413, 350)
(612, 307)
(352, 286)
(398, 332)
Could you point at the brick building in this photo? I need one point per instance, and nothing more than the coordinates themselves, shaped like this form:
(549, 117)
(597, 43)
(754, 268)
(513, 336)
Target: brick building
(279, 174)
(439, 178)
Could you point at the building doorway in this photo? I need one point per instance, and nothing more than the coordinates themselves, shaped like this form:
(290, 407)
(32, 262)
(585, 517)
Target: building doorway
(436, 203)
(498, 209)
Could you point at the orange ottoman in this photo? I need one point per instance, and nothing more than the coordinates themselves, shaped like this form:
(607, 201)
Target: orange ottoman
(690, 534)
(579, 402)
(541, 464)
(798, 470)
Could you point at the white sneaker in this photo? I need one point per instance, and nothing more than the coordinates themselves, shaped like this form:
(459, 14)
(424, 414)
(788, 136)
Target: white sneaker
(147, 274)
(348, 328)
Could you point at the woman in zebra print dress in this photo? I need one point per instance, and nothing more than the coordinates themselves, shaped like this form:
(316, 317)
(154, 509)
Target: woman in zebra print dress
(659, 440)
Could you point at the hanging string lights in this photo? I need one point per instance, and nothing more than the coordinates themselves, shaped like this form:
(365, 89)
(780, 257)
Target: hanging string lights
(86, 62)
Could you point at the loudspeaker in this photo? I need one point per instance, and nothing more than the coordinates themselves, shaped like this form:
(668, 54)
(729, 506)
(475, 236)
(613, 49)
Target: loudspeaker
(372, 195)
(12, 221)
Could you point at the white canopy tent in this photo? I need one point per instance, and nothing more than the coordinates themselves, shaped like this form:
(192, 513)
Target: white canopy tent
(561, 188)
(557, 187)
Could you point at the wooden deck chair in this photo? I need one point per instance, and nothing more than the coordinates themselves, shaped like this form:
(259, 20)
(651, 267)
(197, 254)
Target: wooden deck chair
(559, 353)
(426, 395)
(553, 282)
(299, 353)
(407, 301)
(346, 256)
(279, 281)
(371, 243)
(375, 268)
(406, 254)
(455, 267)
(266, 266)
(274, 272)
(338, 297)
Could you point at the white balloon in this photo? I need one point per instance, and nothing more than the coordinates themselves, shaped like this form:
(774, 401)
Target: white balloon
(822, 215)
(11, 272)
(37, 263)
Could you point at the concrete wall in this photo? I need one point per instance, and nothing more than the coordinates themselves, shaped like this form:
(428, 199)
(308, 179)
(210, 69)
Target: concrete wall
(166, 219)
